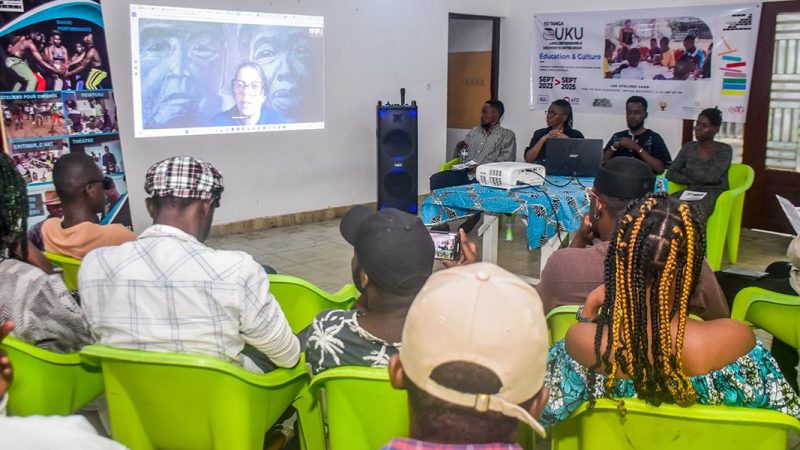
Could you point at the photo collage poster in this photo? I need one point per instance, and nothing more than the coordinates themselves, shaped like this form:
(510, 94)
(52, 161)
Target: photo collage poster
(682, 59)
(57, 97)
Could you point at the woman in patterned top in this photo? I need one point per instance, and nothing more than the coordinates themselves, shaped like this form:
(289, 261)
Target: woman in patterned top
(638, 339)
(45, 313)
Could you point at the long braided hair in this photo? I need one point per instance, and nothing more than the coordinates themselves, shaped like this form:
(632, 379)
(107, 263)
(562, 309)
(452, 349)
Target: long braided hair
(651, 270)
(13, 211)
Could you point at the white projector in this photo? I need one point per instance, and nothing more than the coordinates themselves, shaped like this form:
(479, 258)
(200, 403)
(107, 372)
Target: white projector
(510, 175)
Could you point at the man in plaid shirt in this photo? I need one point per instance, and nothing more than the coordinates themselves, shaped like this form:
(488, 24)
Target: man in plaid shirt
(167, 291)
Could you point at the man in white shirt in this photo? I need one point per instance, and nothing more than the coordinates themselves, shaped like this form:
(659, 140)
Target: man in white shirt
(167, 291)
(43, 432)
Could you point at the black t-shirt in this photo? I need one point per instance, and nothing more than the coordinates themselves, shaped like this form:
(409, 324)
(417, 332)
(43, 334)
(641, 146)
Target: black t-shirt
(649, 140)
(538, 134)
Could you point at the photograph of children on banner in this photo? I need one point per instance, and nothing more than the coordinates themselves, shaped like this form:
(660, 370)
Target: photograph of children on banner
(34, 118)
(42, 57)
(91, 113)
(667, 48)
(35, 160)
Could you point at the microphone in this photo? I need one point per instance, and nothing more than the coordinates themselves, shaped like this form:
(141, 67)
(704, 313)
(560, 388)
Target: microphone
(402, 96)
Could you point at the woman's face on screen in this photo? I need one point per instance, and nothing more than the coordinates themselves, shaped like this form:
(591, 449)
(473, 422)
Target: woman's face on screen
(248, 90)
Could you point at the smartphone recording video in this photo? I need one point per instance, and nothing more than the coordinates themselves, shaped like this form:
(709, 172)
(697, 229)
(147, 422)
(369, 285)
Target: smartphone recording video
(446, 245)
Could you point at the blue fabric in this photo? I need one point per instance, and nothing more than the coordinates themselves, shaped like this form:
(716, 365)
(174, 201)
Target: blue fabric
(753, 381)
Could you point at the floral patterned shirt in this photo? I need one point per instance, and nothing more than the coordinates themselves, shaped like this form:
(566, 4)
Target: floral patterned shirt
(335, 339)
(753, 381)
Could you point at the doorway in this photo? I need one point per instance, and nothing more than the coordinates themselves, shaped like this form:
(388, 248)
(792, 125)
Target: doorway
(772, 127)
(472, 72)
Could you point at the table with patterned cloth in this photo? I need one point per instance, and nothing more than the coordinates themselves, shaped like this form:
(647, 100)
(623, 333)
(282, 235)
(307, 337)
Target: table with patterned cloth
(555, 207)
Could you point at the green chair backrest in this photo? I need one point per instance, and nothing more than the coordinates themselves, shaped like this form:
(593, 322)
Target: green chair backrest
(181, 401)
(449, 164)
(778, 314)
(363, 410)
(69, 268)
(48, 383)
(301, 301)
(559, 320)
(669, 427)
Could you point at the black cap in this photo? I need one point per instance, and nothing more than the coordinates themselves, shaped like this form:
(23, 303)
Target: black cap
(625, 178)
(393, 247)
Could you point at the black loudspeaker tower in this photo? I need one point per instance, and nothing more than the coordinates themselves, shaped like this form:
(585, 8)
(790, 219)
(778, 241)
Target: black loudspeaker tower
(397, 157)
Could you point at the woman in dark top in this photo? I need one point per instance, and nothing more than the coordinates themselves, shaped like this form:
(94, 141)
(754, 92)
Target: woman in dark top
(559, 125)
(702, 165)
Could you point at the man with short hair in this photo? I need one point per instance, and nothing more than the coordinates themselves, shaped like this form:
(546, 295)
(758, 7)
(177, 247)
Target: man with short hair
(91, 66)
(57, 55)
(572, 273)
(637, 141)
(473, 361)
(109, 160)
(486, 143)
(693, 55)
(22, 52)
(167, 291)
(80, 186)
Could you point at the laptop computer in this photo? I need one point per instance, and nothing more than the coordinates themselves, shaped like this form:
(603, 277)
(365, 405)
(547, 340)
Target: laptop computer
(574, 157)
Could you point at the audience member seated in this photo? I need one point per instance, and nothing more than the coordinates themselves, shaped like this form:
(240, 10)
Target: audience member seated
(46, 314)
(693, 55)
(633, 71)
(667, 54)
(638, 331)
(392, 259)
(782, 277)
(486, 143)
(638, 141)
(43, 432)
(79, 184)
(559, 125)
(167, 291)
(608, 56)
(702, 165)
(572, 273)
(473, 361)
(53, 205)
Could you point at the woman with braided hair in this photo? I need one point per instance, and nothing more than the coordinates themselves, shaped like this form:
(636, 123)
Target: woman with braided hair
(44, 311)
(636, 338)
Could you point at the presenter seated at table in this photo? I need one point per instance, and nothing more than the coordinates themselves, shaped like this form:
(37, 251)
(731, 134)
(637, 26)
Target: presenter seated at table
(638, 339)
(559, 126)
(486, 143)
(702, 165)
(638, 141)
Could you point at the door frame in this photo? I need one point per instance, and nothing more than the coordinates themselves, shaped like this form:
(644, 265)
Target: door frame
(495, 46)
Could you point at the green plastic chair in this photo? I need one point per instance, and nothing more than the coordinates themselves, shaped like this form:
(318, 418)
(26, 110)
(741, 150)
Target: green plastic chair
(69, 268)
(48, 383)
(301, 301)
(559, 320)
(449, 164)
(363, 410)
(725, 224)
(182, 401)
(669, 427)
(777, 314)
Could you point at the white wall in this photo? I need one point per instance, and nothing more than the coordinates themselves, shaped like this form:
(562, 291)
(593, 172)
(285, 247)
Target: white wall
(372, 49)
(515, 43)
(466, 36)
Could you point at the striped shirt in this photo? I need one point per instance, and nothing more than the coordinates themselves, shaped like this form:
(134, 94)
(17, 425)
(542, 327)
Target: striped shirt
(411, 444)
(496, 145)
(166, 291)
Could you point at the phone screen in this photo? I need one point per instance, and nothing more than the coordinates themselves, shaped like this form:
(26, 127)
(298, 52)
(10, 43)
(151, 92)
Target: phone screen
(446, 245)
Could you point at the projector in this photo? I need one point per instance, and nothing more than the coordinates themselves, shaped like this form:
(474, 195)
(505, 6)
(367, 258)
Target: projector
(510, 175)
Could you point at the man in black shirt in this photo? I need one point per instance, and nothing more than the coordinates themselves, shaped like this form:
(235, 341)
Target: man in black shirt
(637, 141)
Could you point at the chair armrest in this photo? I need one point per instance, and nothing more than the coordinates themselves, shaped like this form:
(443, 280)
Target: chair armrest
(747, 296)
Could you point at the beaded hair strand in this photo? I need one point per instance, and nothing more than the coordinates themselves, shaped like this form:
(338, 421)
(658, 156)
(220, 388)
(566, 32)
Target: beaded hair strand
(657, 247)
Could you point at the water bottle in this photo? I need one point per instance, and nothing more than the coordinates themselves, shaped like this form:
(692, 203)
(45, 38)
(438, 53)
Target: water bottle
(463, 155)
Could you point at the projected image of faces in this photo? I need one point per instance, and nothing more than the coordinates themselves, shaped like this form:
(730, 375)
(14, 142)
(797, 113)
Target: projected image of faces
(285, 56)
(181, 72)
(205, 71)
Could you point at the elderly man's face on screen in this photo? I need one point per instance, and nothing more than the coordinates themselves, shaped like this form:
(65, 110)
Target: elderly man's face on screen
(181, 64)
(283, 54)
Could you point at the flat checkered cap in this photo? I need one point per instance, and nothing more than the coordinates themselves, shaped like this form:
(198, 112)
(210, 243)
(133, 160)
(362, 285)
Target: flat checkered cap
(183, 177)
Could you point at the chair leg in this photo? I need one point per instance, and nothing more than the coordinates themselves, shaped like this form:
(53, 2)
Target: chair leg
(309, 413)
(735, 229)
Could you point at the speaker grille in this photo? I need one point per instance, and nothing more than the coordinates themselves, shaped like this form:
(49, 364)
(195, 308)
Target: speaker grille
(398, 183)
(397, 144)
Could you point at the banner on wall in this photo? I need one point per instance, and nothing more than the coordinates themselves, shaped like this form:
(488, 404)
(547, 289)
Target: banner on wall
(682, 60)
(56, 97)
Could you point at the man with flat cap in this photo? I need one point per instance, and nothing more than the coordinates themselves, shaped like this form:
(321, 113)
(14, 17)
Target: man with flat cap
(572, 273)
(167, 291)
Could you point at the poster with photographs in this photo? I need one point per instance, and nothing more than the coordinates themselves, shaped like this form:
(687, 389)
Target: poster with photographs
(57, 97)
(681, 60)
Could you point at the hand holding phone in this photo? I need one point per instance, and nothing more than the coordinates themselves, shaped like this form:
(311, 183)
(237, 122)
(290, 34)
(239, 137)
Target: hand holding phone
(446, 246)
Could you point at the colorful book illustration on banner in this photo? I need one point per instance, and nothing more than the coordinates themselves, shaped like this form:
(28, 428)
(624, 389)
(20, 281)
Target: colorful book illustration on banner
(734, 81)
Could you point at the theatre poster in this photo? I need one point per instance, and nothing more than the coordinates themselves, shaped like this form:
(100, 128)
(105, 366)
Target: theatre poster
(682, 60)
(57, 97)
